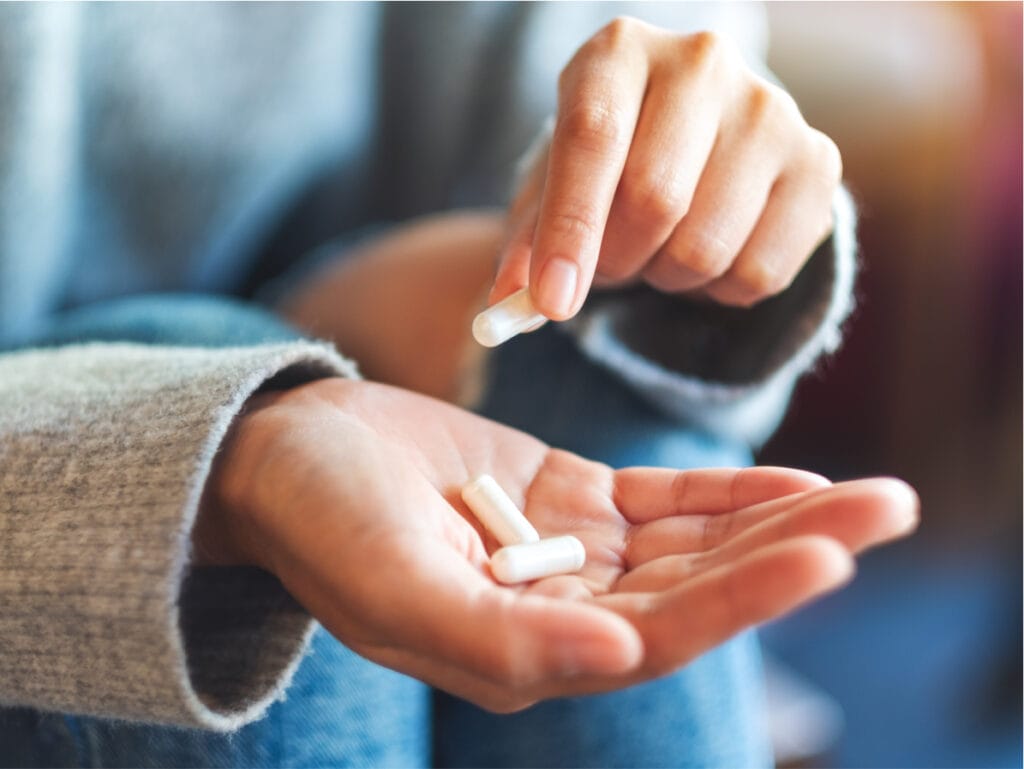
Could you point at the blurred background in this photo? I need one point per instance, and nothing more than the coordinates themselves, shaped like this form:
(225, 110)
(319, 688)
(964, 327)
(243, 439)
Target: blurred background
(918, 663)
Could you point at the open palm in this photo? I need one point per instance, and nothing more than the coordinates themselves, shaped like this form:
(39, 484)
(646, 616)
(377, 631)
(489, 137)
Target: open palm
(357, 509)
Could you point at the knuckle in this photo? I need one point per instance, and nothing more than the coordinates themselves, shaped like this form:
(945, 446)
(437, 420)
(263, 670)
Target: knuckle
(615, 40)
(706, 47)
(617, 33)
(576, 223)
(769, 107)
(654, 199)
(705, 255)
(826, 158)
(759, 106)
(758, 280)
(594, 126)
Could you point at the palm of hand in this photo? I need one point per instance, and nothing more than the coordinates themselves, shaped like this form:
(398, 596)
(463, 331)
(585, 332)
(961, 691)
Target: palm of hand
(677, 562)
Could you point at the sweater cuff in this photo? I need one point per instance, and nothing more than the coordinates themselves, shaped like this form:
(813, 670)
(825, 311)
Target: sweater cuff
(104, 453)
(725, 369)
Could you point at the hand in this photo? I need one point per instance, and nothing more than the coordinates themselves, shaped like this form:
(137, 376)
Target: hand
(422, 283)
(349, 492)
(673, 163)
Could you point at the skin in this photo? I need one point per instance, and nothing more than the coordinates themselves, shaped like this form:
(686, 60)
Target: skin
(348, 491)
(674, 164)
(415, 341)
(671, 163)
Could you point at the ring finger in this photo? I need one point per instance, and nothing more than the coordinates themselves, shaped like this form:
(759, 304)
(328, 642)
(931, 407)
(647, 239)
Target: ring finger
(730, 196)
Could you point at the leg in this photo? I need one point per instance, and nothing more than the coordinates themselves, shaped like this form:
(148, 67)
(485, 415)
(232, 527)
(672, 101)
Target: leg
(166, 319)
(341, 710)
(708, 714)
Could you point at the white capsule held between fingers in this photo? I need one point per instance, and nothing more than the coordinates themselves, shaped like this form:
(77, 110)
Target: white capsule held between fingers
(511, 316)
(499, 514)
(533, 560)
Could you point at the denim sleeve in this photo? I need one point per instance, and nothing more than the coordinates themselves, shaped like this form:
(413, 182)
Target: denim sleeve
(105, 448)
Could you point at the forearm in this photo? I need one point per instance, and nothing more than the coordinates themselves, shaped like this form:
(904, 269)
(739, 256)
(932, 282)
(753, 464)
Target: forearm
(104, 450)
(401, 304)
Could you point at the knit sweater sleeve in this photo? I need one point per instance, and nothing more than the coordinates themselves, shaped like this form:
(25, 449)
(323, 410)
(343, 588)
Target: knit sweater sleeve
(727, 370)
(104, 452)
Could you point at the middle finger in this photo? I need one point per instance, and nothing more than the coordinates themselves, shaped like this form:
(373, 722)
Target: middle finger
(674, 136)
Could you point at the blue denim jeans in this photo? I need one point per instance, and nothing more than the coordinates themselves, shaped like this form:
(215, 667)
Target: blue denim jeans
(342, 710)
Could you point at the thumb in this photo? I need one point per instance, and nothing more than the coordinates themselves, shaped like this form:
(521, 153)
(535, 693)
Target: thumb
(451, 613)
(514, 261)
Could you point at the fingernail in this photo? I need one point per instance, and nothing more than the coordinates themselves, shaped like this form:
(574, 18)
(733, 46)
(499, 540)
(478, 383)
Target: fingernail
(557, 287)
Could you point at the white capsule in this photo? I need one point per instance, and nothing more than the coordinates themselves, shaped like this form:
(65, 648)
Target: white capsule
(499, 514)
(533, 560)
(512, 315)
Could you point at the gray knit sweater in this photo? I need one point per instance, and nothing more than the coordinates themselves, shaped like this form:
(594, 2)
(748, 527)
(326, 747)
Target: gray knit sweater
(210, 149)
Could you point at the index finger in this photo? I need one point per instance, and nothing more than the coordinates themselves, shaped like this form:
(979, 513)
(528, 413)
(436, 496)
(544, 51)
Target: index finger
(600, 94)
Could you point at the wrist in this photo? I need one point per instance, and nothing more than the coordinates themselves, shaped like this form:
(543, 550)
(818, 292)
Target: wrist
(227, 530)
(422, 283)
(256, 482)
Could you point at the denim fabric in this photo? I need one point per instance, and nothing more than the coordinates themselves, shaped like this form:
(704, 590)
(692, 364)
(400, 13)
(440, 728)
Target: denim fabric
(341, 710)
(196, 320)
(710, 713)
(344, 711)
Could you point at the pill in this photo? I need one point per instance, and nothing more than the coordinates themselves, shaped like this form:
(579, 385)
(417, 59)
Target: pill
(499, 514)
(533, 560)
(512, 315)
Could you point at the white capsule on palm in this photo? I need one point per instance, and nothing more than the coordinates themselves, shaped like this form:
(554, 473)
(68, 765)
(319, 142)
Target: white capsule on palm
(499, 514)
(534, 560)
(511, 316)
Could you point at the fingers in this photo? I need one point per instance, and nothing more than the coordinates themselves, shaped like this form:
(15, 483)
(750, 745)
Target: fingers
(685, 534)
(670, 149)
(440, 606)
(514, 267)
(514, 261)
(728, 203)
(420, 586)
(600, 95)
(858, 515)
(644, 494)
(673, 162)
(797, 217)
(680, 624)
